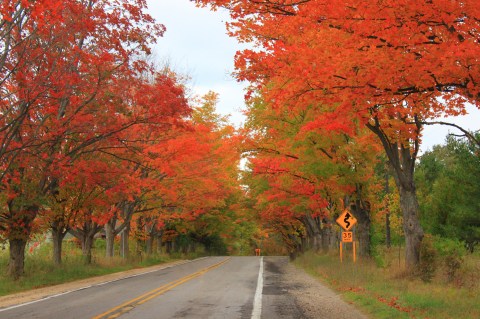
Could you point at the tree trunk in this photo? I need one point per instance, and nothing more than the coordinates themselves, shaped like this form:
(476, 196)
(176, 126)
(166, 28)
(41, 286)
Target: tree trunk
(87, 243)
(149, 245)
(169, 247)
(326, 236)
(363, 237)
(58, 234)
(109, 240)
(388, 234)
(86, 235)
(16, 264)
(124, 245)
(361, 212)
(402, 155)
(312, 226)
(159, 242)
(411, 226)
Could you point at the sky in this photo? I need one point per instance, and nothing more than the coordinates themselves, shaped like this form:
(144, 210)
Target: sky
(196, 44)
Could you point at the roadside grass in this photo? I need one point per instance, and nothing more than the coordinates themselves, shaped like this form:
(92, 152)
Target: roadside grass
(41, 272)
(389, 292)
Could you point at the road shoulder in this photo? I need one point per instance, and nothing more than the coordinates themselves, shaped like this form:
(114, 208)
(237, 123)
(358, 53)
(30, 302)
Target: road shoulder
(313, 298)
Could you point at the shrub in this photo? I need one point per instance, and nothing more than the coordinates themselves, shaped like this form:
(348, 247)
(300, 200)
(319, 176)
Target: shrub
(428, 259)
(452, 253)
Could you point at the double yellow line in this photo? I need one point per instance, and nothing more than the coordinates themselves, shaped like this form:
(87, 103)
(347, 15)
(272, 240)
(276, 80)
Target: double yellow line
(131, 304)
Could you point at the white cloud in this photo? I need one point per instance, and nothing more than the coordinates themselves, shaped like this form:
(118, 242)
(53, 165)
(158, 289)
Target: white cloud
(196, 44)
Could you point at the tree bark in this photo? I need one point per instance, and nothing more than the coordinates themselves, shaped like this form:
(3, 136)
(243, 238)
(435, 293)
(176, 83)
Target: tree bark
(58, 234)
(124, 245)
(388, 233)
(18, 237)
(402, 156)
(411, 226)
(361, 211)
(87, 243)
(362, 231)
(109, 240)
(159, 242)
(326, 236)
(149, 245)
(16, 264)
(312, 225)
(86, 235)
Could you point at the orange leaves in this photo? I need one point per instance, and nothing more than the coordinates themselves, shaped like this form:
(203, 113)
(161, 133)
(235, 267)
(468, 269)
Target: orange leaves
(361, 51)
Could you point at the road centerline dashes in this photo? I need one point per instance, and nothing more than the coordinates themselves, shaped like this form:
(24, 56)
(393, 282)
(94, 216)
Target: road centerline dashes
(131, 304)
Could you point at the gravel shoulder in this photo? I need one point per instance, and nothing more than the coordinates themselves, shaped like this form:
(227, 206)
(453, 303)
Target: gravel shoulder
(314, 299)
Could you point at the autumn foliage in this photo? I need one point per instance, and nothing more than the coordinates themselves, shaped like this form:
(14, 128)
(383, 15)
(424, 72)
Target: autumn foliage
(93, 134)
(387, 65)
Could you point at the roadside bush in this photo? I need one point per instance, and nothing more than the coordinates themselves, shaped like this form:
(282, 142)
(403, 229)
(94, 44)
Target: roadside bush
(377, 248)
(428, 259)
(452, 253)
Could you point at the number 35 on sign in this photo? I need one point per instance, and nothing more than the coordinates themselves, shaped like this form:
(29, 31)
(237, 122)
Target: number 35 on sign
(347, 237)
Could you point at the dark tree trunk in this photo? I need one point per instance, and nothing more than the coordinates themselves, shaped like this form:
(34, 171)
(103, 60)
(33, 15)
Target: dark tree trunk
(124, 245)
(16, 263)
(113, 228)
(87, 243)
(58, 234)
(362, 231)
(159, 242)
(170, 246)
(86, 235)
(312, 224)
(411, 226)
(361, 211)
(18, 237)
(139, 235)
(388, 234)
(402, 156)
(326, 234)
(149, 245)
(109, 238)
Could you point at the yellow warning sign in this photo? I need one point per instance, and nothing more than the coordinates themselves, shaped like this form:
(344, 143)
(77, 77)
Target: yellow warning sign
(346, 220)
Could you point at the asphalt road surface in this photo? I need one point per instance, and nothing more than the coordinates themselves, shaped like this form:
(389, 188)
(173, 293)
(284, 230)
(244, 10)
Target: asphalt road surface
(213, 287)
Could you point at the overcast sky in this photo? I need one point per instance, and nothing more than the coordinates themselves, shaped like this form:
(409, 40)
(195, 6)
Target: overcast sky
(196, 44)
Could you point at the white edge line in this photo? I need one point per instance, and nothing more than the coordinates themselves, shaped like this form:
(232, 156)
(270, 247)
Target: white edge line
(94, 285)
(257, 301)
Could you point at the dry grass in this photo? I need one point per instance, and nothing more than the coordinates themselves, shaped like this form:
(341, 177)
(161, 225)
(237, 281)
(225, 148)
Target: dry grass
(390, 292)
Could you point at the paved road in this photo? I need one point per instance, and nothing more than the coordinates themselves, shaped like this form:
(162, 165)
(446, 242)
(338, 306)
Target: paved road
(213, 287)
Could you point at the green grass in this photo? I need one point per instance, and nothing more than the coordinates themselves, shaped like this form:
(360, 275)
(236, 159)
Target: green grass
(389, 292)
(40, 271)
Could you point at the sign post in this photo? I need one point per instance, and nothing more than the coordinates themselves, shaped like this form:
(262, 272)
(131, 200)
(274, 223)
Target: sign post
(346, 220)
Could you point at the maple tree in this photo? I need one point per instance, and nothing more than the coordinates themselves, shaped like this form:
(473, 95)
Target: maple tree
(308, 175)
(205, 172)
(191, 173)
(388, 65)
(61, 63)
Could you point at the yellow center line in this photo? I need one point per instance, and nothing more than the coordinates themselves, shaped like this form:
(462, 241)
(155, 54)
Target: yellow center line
(129, 305)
